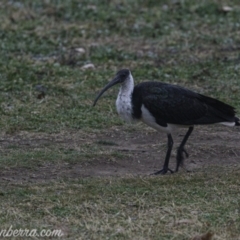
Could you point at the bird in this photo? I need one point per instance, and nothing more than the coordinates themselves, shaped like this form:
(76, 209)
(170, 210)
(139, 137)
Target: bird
(166, 107)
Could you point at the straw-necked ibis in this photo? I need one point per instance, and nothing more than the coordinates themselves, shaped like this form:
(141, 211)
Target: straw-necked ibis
(166, 107)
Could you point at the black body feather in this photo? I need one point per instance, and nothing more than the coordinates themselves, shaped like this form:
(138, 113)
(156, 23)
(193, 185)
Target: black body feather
(177, 105)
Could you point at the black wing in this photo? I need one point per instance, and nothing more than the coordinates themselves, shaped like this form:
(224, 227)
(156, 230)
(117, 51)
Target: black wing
(174, 104)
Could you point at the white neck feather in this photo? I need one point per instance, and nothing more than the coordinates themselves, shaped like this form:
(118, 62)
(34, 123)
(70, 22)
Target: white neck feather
(124, 99)
(127, 87)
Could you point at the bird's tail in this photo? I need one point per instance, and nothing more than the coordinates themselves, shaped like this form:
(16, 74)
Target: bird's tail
(237, 121)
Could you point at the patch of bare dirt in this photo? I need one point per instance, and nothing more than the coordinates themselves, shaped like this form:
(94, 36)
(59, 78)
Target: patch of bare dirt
(143, 152)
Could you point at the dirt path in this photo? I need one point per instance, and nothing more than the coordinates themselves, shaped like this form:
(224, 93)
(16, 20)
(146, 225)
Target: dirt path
(142, 152)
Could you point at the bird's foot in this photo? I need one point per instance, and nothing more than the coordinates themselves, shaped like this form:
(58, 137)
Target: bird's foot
(163, 171)
(180, 157)
(186, 153)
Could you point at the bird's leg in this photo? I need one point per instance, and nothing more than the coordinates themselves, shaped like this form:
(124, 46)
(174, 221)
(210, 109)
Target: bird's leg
(165, 166)
(182, 150)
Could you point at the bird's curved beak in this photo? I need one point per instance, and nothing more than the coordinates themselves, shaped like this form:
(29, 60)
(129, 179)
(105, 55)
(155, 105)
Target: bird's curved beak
(110, 84)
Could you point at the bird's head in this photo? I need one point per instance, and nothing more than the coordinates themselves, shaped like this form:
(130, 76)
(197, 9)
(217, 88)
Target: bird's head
(120, 77)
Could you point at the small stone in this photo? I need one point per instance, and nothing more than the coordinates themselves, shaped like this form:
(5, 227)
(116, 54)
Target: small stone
(80, 50)
(88, 66)
(227, 9)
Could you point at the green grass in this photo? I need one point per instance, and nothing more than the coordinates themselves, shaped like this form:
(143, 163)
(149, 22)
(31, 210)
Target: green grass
(172, 207)
(190, 43)
(167, 42)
